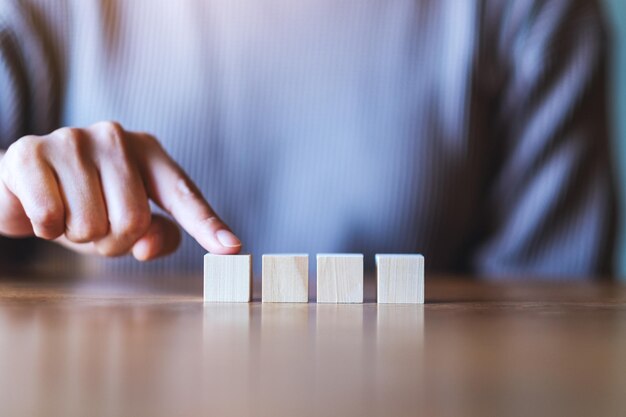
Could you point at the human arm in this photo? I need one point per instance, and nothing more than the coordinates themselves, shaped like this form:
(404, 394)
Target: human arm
(550, 208)
(89, 188)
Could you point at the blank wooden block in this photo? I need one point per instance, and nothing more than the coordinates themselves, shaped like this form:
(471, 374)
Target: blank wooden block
(339, 278)
(400, 279)
(285, 279)
(227, 278)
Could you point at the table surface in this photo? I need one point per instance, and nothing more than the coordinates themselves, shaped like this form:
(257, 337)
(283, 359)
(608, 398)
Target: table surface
(85, 347)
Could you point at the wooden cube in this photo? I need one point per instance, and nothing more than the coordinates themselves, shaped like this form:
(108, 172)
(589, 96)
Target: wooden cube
(285, 278)
(400, 278)
(339, 278)
(227, 278)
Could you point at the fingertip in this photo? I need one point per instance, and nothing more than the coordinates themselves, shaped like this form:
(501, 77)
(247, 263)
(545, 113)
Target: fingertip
(162, 238)
(224, 242)
(225, 251)
(227, 239)
(145, 249)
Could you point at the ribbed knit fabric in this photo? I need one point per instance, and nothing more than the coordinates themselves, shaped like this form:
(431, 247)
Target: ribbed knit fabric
(473, 132)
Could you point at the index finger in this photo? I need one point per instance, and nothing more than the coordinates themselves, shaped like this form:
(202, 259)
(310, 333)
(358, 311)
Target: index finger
(170, 187)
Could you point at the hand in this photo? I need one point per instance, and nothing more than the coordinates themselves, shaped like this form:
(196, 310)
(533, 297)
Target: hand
(89, 189)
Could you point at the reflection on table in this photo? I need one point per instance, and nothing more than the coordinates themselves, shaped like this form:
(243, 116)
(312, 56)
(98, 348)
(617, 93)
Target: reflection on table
(475, 348)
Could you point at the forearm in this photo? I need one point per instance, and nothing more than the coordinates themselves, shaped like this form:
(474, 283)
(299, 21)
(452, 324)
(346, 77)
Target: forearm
(552, 201)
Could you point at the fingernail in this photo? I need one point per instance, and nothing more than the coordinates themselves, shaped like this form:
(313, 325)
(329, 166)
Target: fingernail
(227, 239)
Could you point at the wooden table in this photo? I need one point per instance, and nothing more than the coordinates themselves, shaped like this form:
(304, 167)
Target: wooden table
(86, 348)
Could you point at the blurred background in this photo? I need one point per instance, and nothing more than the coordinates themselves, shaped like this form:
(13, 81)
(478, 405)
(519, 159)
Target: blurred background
(616, 11)
(616, 18)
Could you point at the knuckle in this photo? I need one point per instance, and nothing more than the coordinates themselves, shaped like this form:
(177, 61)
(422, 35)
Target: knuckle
(110, 250)
(86, 231)
(25, 150)
(134, 224)
(111, 137)
(148, 140)
(72, 139)
(109, 125)
(188, 195)
(47, 217)
(187, 190)
(125, 232)
(212, 222)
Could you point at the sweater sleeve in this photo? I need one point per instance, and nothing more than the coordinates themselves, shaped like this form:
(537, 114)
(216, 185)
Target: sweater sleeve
(28, 79)
(29, 99)
(550, 209)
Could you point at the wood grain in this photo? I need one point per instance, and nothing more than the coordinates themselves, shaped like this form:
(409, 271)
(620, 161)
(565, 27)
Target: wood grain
(227, 278)
(400, 278)
(339, 278)
(148, 346)
(285, 278)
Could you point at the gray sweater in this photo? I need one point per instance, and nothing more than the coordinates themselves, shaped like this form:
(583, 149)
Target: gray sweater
(471, 131)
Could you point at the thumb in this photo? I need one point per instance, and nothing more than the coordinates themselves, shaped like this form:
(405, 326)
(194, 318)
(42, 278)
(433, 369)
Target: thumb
(162, 238)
